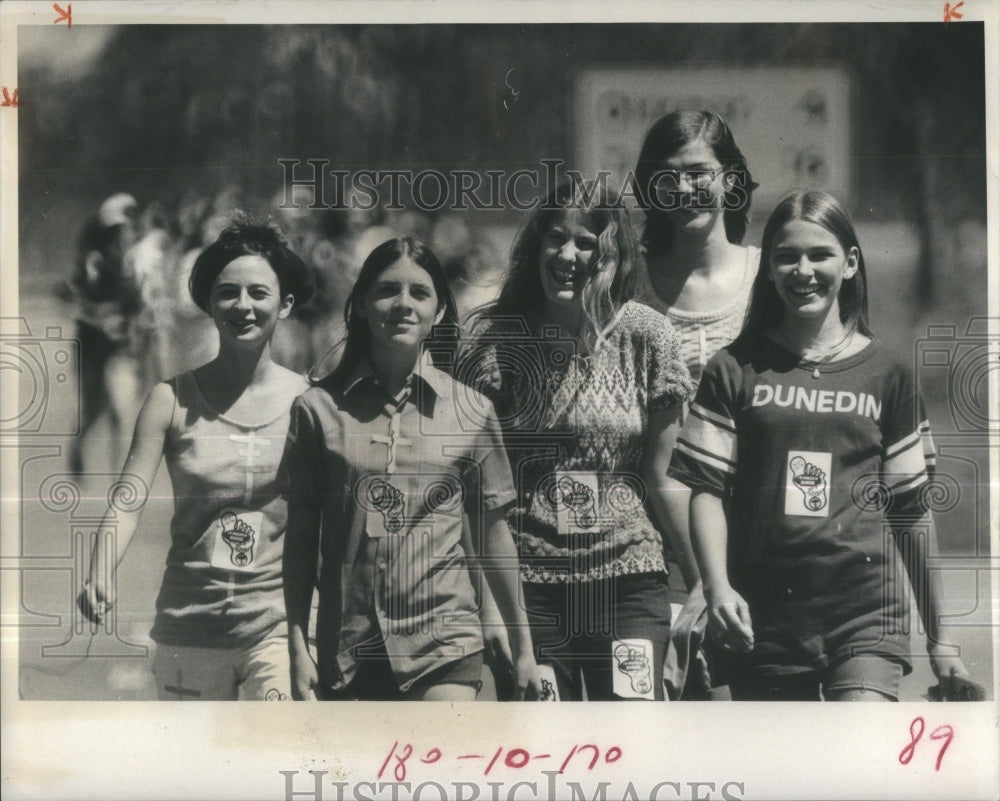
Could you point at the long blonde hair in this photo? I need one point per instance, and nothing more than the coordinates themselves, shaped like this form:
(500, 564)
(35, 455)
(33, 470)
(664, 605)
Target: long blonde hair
(613, 271)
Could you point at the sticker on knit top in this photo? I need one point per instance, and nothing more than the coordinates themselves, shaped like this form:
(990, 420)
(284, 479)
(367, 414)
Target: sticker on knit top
(574, 496)
(807, 482)
(633, 669)
(237, 540)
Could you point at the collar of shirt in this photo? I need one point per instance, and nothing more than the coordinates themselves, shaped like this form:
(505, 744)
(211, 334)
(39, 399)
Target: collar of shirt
(426, 373)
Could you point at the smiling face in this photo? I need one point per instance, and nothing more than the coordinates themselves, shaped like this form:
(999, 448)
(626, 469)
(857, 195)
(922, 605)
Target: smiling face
(569, 247)
(246, 302)
(401, 307)
(808, 265)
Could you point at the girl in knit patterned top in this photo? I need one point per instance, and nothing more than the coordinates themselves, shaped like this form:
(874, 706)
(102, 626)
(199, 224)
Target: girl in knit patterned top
(807, 445)
(220, 618)
(588, 387)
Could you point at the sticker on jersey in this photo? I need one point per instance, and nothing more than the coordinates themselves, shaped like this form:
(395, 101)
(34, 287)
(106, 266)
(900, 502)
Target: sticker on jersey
(574, 498)
(807, 484)
(237, 540)
(633, 669)
(386, 504)
(547, 678)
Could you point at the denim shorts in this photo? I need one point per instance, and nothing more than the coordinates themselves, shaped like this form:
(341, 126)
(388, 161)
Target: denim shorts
(375, 680)
(873, 673)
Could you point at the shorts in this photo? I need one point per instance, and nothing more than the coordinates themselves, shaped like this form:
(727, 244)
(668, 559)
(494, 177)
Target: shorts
(873, 673)
(262, 672)
(375, 680)
(601, 640)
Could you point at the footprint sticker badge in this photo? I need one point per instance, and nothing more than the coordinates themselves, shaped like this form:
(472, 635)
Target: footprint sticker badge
(807, 484)
(574, 498)
(633, 675)
(235, 540)
(388, 501)
(550, 688)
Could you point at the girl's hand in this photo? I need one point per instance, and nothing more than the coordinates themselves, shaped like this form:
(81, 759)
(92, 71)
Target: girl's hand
(305, 679)
(495, 637)
(947, 666)
(527, 682)
(95, 600)
(729, 621)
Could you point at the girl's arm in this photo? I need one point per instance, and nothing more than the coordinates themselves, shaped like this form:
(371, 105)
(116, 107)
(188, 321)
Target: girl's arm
(298, 568)
(99, 591)
(728, 612)
(917, 551)
(667, 496)
(503, 575)
(494, 628)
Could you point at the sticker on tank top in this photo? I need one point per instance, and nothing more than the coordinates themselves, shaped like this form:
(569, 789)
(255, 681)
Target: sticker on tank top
(633, 669)
(574, 497)
(807, 483)
(236, 540)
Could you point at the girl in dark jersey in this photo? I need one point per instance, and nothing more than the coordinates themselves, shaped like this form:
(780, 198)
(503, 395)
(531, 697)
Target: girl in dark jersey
(220, 618)
(808, 454)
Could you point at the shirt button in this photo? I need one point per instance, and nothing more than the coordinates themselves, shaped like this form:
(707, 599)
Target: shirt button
(380, 564)
(788, 591)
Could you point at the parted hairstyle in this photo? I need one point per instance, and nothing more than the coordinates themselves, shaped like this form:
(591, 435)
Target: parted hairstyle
(667, 136)
(766, 308)
(612, 273)
(357, 342)
(246, 236)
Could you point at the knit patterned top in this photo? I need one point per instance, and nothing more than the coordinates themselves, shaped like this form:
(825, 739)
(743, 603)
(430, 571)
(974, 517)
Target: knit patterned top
(575, 433)
(702, 333)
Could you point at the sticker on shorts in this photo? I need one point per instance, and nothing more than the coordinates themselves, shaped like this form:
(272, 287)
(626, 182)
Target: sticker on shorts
(574, 497)
(550, 687)
(633, 669)
(237, 540)
(807, 484)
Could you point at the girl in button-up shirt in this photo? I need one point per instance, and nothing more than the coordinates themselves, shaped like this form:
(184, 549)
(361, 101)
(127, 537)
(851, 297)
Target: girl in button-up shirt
(388, 461)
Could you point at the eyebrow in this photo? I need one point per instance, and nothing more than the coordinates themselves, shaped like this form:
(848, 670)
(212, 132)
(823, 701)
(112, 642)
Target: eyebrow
(229, 284)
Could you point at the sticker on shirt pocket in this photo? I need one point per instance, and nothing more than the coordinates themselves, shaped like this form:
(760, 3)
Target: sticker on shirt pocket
(807, 484)
(633, 669)
(236, 540)
(386, 505)
(574, 497)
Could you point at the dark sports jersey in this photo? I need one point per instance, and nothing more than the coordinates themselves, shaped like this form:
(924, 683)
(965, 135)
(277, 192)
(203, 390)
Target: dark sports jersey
(807, 461)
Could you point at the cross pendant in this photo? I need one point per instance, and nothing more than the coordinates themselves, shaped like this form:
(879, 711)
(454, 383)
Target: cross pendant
(391, 441)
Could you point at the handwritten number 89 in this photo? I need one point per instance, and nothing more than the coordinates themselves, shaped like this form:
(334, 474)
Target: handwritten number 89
(944, 732)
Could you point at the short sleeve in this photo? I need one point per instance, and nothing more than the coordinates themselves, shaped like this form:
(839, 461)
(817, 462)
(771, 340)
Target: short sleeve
(668, 381)
(302, 462)
(909, 455)
(704, 456)
(490, 471)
